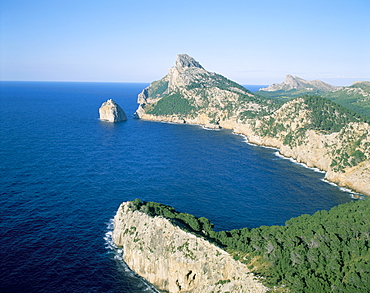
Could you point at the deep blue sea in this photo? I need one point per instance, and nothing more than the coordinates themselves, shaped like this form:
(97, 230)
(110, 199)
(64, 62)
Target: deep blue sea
(64, 173)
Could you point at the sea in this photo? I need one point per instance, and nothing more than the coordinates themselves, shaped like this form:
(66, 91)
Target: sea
(64, 174)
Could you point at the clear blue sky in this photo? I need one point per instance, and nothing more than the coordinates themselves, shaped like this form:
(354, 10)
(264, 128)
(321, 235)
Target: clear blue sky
(251, 42)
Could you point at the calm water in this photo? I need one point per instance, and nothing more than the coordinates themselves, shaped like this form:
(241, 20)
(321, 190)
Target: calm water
(64, 173)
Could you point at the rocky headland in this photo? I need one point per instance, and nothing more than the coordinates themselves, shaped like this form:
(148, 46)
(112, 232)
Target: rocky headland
(110, 111)
(176, 251)
(177, 261)
(309, 129)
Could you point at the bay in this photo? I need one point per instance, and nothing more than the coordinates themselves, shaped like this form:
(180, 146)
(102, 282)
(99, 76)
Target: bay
(64, 173)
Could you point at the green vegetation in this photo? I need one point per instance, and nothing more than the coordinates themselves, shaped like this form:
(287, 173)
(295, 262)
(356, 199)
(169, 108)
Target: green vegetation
(172, 104)
(186, 221)
(206, 88)
(157, 88)
(288, 95)
(208, 80)
(326, 252)
(355, 97)
(354, 150)
(327, 116)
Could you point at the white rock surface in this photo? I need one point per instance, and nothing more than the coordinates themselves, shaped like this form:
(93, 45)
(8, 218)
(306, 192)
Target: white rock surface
(112, 112)
(176, 261)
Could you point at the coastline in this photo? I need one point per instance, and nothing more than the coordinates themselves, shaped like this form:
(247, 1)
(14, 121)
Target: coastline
(174, 260)
(232, 125)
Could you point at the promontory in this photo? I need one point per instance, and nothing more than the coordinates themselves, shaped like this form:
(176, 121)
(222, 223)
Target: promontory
(310, 129)
(178, 252)
(174, 260)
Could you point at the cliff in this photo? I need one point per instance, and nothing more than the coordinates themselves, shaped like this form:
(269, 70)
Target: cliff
(177, 261)
(112, 112)
(310, 129)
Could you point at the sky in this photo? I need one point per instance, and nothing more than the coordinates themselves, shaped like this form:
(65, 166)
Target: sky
(250, 42)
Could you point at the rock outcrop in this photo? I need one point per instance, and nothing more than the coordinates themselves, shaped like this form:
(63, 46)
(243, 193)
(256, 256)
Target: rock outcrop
(176, 261)
(310, 129)
(294, 82)
(112, 112)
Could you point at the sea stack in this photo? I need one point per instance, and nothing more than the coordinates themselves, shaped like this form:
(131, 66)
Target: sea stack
(112, 112)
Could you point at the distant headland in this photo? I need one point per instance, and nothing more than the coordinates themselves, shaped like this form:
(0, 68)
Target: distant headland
(308, 128)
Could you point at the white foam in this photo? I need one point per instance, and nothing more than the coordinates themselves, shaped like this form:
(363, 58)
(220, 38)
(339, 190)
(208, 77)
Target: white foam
(118, 254)
(206, 128)
(277, 153)
(253, 144)
(329, 182)
(353, 194)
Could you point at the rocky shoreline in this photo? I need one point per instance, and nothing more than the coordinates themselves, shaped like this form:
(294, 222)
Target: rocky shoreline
(313, 155)
(309, 129)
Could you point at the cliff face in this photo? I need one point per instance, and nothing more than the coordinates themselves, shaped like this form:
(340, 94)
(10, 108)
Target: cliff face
(312, 130)
(174, 260)
(112, 112)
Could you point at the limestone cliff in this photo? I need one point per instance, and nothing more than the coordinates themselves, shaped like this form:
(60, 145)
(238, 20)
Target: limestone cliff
(112, 112)
(310, 129)
(176, 261)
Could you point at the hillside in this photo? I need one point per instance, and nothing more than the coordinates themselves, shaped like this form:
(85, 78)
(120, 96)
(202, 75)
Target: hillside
(310, 129)
(189, 93)
(355, 97)
(325, 252)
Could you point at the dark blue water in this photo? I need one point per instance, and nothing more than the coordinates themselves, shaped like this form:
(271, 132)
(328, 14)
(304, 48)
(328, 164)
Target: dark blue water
(64, 174)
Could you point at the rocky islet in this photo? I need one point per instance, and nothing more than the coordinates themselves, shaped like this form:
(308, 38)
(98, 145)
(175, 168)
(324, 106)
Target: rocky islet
(110, 111)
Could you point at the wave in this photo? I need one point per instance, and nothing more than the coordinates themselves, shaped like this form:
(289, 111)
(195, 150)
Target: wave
(245, 139)
(277, 153)
(354, 195)
(118, 254)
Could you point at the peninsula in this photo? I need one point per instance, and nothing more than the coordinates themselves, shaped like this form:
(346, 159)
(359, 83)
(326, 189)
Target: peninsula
(175, 260)
(310, 129)
(178, 252)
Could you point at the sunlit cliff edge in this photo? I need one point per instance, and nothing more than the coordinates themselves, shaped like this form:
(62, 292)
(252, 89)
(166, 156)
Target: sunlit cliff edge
(177, 261)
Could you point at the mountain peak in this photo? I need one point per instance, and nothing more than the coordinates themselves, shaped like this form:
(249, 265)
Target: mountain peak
(293, 82)
(184, 61)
